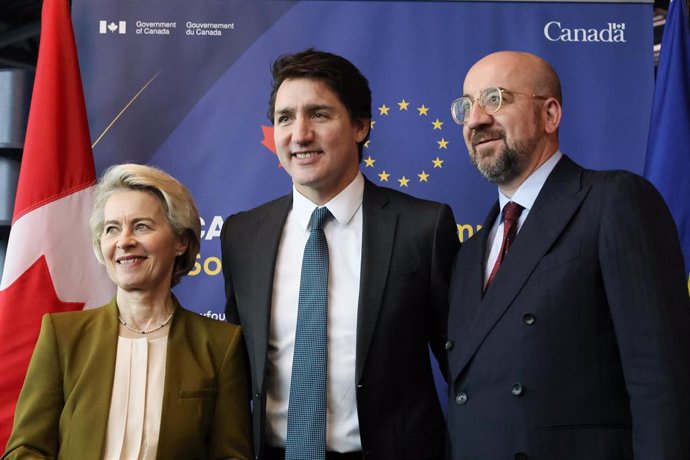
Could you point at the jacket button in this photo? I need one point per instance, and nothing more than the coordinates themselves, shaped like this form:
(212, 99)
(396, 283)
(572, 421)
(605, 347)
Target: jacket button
(449, 345)
(461, 398)
(257, 395)
(521, 456)
(528, 318)
(517, 389)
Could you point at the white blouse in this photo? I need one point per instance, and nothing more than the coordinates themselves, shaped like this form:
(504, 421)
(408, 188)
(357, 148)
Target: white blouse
(136, 403)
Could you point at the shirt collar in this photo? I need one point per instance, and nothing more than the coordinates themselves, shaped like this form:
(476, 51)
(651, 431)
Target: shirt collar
(343, 206)
(528, 191)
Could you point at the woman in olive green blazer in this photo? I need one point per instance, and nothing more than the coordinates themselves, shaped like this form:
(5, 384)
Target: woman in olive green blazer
(64, 404)
(140, 377)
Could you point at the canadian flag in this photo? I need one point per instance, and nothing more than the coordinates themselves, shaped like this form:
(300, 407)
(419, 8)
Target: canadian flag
(49, 265)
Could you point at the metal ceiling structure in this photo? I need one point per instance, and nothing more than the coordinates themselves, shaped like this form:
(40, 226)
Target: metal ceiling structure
(20, 27)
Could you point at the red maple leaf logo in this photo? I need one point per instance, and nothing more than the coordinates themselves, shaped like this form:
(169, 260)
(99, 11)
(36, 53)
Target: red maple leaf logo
(268, 141)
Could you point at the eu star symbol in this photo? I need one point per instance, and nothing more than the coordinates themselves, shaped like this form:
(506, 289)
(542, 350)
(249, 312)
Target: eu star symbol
(366, 144)
(399, 124)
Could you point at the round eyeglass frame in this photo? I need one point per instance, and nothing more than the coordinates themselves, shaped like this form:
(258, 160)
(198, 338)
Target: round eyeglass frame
(456, 106)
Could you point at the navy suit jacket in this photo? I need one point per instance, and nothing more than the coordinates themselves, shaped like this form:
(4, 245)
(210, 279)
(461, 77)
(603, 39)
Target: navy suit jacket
(580, 347)
(407, 251)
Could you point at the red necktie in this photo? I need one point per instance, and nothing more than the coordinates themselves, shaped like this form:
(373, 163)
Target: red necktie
(511, 214)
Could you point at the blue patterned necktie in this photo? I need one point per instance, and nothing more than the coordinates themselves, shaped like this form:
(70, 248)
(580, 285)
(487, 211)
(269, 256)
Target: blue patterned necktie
(306, 427)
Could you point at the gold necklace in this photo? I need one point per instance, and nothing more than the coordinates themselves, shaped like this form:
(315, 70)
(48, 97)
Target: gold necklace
(137, 331)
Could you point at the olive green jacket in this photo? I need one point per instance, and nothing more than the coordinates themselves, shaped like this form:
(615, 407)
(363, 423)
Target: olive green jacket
(62, 411)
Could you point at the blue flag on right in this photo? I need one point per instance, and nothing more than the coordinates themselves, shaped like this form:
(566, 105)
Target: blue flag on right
(668, 147)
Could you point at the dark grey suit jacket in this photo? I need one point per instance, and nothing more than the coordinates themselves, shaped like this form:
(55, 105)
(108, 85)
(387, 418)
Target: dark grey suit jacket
(580, 347)
(407, 251)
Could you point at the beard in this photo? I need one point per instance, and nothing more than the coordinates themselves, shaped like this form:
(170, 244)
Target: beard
(507, 163)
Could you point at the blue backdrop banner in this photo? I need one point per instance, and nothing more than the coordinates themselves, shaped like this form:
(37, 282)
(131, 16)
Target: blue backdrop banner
(185, 86)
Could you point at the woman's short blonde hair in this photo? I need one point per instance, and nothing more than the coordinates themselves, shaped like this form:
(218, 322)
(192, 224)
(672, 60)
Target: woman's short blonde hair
(180, 211)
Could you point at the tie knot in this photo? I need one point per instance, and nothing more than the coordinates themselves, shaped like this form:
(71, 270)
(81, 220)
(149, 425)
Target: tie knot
(318, 217)
(511, 212)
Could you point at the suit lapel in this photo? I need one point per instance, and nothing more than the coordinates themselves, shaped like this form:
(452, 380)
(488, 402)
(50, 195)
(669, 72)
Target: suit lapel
(378, 235)
(171, 385)
(467, 287)
(267, 232)
(103, 345)
(559, 199)
(180, 348)
(477, 269)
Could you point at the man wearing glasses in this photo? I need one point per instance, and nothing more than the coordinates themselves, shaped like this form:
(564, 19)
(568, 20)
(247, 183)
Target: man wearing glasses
(569, 326)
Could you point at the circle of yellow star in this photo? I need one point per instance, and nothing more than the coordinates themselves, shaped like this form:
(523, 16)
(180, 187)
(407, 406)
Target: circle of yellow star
(437, 124)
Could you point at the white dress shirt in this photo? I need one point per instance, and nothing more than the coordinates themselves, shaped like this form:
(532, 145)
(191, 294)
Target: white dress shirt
(344, 236)
(525, 196)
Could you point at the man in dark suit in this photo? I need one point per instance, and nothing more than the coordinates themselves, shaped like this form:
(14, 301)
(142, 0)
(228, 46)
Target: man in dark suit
(577, 346)
(388, 270)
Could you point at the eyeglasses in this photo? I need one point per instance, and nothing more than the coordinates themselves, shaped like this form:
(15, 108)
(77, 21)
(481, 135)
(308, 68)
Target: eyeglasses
(490, 100)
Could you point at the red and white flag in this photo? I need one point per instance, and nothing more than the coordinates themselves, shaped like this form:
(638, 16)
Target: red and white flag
(49, 265)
